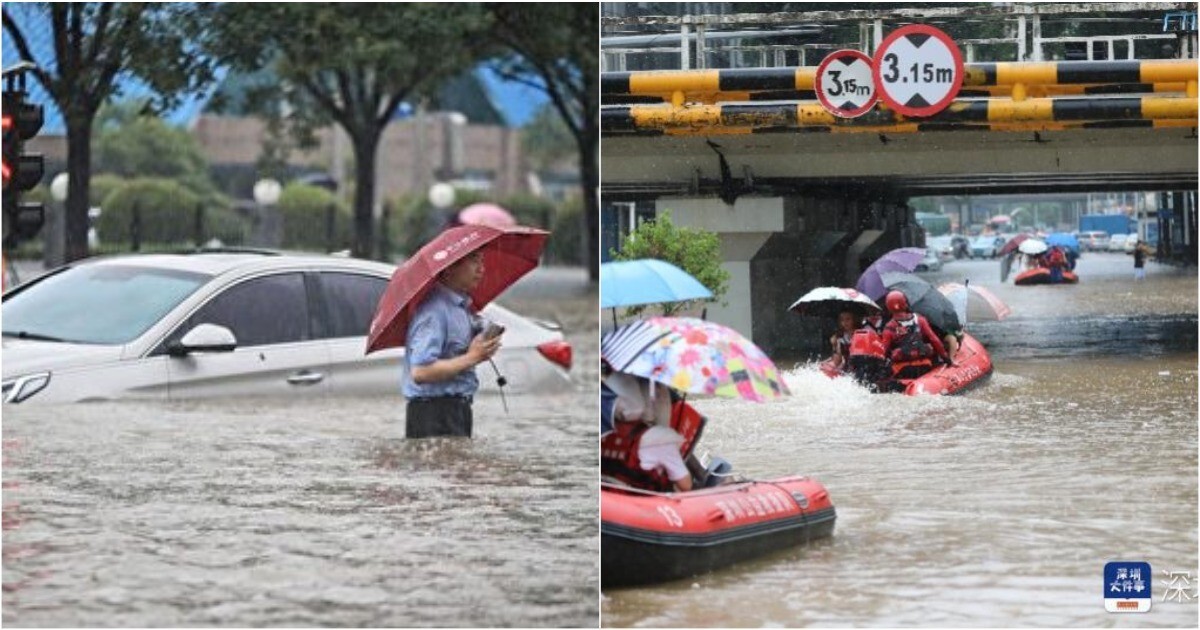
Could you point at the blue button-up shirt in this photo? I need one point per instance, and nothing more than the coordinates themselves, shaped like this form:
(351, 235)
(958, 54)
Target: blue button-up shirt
(441, 328)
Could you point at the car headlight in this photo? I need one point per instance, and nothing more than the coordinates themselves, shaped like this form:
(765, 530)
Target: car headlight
(23, 387)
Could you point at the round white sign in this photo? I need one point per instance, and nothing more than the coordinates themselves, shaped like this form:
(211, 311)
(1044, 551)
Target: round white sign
(918, 70)
(844, 84)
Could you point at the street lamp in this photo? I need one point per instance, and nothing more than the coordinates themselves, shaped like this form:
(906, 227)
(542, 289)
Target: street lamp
(441, 195)
(55, 230)
(266, 195)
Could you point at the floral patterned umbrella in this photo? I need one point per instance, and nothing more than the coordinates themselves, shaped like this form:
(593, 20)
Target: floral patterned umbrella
(693, 355)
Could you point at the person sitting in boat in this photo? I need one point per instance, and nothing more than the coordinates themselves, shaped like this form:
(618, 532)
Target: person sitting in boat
(868, 354)
(910, 341)
(847, 323)
(642, 450)
(1056, 261)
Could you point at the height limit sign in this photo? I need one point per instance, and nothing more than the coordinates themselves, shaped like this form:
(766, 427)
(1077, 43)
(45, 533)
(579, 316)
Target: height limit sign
(918, 70)
(844, 84)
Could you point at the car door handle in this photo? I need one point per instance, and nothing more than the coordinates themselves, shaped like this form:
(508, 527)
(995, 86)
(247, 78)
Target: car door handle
(304, 377)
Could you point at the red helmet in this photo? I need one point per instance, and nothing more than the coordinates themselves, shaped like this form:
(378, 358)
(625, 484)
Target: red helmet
(896, 302)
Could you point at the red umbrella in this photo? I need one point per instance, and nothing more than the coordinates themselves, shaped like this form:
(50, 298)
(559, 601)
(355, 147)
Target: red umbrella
(1012, 244)
(508, 254)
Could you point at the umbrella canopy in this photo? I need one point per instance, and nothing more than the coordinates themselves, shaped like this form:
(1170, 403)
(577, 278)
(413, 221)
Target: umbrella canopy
(694, 355)
(923, 298)
(1012, 244)
(974, 303)
(647, 281)
(1006, 265)
(508, 254)
(903, 259)
(1000, 218)
(829, 301)
(1063, 239)
(1033, 247)
(486, 214)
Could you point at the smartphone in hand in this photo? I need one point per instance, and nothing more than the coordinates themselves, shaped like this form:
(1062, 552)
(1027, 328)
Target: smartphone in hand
(493, 330)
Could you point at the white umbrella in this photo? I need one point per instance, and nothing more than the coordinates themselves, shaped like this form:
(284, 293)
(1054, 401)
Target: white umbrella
(974, 302)
(830, 301)
(1033, 247)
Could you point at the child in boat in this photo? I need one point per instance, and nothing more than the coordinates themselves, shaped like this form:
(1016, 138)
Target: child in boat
(840, 341)
(642, 449)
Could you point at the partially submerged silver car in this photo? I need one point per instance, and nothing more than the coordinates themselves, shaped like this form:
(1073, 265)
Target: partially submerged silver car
(226, 324)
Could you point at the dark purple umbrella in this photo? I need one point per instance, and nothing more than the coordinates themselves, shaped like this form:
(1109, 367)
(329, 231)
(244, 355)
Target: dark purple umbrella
(904, 260)
(1012, 245)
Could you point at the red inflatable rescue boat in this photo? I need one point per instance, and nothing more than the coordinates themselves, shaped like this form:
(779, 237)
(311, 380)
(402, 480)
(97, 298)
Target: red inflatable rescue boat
(649, 537)
(972, 367)
(1041, 275)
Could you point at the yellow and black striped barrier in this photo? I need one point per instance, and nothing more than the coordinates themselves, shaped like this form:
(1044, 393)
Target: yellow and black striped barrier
(983, 91)
(982, 114)
(666, 82)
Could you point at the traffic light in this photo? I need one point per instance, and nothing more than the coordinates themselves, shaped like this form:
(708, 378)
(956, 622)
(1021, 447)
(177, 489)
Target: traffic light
(21, 121)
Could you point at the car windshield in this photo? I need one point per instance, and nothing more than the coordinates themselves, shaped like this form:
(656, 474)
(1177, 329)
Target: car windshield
(101, 304)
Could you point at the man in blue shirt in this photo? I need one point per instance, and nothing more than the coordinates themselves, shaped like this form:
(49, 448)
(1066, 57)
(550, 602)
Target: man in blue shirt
(444, 346)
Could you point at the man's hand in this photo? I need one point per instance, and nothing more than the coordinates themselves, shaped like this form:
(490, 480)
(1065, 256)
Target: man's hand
(482, 348)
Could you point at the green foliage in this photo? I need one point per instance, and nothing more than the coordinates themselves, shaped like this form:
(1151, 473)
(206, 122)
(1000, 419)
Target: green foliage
(697, 252)
(547, 140)
(102, 186)
(148, 147)
(167, 215)
(305, 211)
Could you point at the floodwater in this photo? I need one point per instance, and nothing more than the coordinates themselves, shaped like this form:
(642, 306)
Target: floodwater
(279, 513)
(996, 508)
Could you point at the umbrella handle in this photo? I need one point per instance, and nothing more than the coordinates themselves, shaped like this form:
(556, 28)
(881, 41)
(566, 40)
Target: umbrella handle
(500, 382)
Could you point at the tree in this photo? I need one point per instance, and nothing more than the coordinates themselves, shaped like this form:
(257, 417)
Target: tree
(132, 145)
(351, 64)
(97, 46)
(556, 49)
(697, 252)
(547, 140)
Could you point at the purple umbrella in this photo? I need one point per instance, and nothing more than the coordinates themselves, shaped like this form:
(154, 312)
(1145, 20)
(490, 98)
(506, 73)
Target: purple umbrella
(904, 260)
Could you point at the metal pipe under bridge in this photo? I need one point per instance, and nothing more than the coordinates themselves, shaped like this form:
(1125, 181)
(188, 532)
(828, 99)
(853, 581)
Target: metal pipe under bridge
(1038, 96)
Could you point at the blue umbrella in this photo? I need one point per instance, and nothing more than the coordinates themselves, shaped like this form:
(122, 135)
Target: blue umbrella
(647, 281)
(904, 259)
(1063, 239)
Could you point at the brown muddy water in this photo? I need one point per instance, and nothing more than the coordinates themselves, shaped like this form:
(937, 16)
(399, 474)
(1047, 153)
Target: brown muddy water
(996, 508)
(283, 513)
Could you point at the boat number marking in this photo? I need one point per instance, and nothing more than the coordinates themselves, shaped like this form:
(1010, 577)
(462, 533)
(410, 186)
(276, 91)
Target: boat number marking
(752, 506)
(669, 513)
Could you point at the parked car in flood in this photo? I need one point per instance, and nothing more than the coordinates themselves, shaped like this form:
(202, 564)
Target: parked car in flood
(1093, 241)
(225, 324)
(931, 262)
(987, 246)
(1116, 242)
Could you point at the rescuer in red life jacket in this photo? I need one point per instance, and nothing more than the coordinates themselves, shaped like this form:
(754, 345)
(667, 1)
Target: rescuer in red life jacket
(910, 341)
(642, 449)
(867, 354)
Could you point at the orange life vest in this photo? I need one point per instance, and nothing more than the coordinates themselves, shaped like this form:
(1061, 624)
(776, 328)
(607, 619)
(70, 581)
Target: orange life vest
(619, 458)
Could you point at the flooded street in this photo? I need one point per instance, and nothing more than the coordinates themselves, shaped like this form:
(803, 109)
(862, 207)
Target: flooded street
(289, 513)
(996, 508)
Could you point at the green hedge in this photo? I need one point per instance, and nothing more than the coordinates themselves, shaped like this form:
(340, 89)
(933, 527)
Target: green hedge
(168, 215)
(305, 211)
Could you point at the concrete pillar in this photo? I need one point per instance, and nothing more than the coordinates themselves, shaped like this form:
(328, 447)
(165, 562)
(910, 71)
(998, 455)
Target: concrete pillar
(742, 228)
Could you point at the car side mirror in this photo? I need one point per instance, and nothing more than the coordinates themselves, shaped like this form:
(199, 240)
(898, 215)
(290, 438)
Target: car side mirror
(204, 338)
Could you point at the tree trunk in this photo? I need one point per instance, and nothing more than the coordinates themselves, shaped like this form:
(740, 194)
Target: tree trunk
(589, 175)
(365, 151)
(366, 147)
(79, 170)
